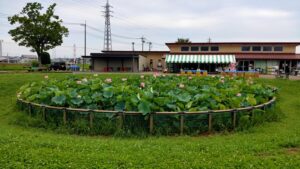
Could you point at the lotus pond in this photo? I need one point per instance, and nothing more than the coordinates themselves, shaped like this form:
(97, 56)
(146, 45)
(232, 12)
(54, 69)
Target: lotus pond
(148, 93)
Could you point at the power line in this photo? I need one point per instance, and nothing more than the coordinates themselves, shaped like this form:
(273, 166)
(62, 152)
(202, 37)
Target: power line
(115, 35)
(4, 14)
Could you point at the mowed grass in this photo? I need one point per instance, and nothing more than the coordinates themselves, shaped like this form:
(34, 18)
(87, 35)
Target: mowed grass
(271, 145)
(13, 67)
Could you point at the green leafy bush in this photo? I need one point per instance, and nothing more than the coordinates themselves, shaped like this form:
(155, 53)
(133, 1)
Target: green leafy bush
(45, 58)
(35, 63)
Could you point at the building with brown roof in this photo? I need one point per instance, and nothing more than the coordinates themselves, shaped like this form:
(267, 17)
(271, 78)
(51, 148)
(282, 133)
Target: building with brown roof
(210, 56)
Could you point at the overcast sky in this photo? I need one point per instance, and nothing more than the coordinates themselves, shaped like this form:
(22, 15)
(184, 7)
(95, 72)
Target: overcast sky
(162, 21)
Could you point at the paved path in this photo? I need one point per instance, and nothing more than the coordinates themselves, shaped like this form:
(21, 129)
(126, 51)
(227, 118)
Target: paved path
(274, 77)
(261, 76)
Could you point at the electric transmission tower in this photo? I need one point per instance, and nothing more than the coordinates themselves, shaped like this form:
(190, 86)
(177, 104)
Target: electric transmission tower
(107, 29)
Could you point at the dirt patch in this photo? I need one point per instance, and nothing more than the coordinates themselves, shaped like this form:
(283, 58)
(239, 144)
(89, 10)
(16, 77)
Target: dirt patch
(292, 151)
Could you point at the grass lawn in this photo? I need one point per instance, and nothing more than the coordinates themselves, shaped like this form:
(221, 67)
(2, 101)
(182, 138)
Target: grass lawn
(271, 145)
(12, 67)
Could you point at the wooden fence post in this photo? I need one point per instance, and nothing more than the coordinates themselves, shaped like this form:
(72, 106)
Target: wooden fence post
(29, 109)
(151, 125)
(181, 122)
(264, 107)
(65, 116)
(233, 119)
(91, 115)
(251, 114)
(120, 120)
(44, 113)
(209, 122)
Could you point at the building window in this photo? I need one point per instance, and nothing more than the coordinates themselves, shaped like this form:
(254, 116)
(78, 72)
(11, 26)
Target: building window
(214, 48)
(267, 48)
(278, 48)
(246, 48)
(194, 48)
(185, 48)
(256, 48)
(204, 48)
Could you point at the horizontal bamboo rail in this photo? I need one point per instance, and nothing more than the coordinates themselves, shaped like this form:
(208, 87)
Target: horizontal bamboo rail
(121, 114)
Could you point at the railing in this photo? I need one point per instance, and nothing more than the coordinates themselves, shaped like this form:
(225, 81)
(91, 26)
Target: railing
(121, 114)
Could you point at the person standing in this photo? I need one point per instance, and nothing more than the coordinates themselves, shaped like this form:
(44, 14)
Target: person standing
(287, 71)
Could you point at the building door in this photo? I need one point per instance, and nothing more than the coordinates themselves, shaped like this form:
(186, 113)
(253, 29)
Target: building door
(245, 65)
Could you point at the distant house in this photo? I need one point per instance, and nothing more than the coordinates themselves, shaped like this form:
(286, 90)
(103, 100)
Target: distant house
(3, 60)
(28, 58)
(126, 61)
(13, 59)
(67, 60)
(210, 56)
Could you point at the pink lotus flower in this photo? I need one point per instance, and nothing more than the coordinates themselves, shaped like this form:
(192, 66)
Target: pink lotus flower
(156, 74)
(78, 82)
(124, 79)
(142, 76)
(181, 85)
(190, 77)
(108, 80)
(239, 95)
(142, 85)
(46, 77)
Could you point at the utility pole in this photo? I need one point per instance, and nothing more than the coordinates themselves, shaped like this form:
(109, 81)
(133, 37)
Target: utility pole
(143, 41)
(1, 47)
(107, 28)
(83, 60)
(209, 40)
(74, 53)
(150, 45)
(132, 46)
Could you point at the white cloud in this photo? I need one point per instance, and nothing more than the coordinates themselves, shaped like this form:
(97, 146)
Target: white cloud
(176, 22)
(264, 13)
(165, 20)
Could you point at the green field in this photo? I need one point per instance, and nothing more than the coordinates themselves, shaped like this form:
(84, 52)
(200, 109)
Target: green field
(271, 145)
(13, 67)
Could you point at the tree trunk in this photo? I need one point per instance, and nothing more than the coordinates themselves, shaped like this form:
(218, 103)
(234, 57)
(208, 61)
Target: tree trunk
(39, 59)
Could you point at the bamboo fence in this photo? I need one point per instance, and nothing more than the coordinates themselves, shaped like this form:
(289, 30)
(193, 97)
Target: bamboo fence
(122, 114)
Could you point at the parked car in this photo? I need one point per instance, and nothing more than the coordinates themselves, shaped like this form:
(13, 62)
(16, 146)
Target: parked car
(58, 66)
(73, 68)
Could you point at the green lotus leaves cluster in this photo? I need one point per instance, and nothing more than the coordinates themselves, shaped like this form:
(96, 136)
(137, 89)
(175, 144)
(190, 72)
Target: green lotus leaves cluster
(148, 93)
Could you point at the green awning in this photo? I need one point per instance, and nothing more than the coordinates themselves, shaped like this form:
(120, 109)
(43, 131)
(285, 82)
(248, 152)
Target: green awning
(177, 58)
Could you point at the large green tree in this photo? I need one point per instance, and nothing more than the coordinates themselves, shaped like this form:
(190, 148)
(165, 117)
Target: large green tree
(39, 31)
